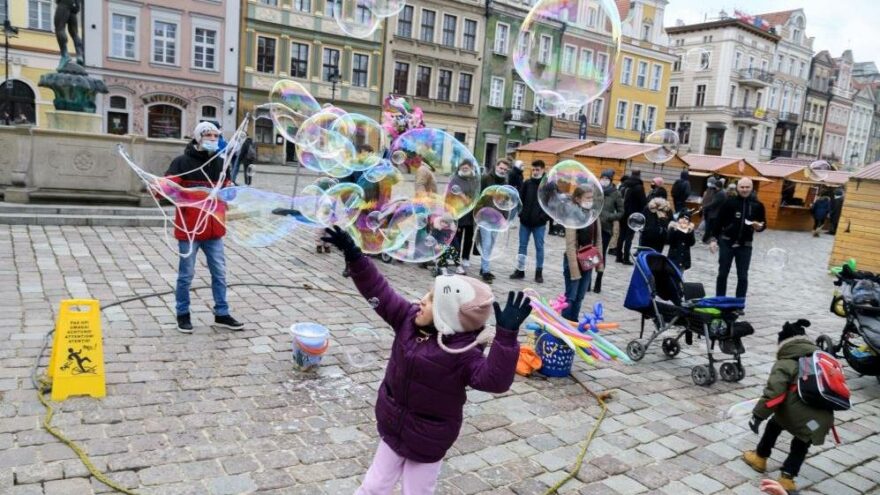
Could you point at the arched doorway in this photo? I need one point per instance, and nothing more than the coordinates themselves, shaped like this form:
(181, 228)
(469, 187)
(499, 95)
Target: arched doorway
(164, 121)
(17, 103)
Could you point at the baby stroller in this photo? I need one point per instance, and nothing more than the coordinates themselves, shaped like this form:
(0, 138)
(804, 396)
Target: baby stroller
(859, 302)
(658, 292)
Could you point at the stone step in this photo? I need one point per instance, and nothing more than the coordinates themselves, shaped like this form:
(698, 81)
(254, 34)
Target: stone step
(48, 196)
(81, 220)
(84, 210)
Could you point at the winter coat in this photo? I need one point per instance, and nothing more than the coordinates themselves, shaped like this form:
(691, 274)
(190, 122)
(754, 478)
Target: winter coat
(836, 208)
(492, 180)
(532, 215)
(731, 219)
(612, 211)
(786, 406)
(658, 192)
(712, 201)
(681, 191)
(195, 222)
(576, 239)
(657, 217)
(680, 244)
(634, 201)
(821, 208)
(470, 188)
(515, 178)
(421, 399)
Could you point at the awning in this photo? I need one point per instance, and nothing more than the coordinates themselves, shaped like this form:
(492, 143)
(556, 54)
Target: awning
(693, 173)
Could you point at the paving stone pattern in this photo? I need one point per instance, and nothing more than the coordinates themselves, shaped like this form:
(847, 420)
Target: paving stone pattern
(218, 412)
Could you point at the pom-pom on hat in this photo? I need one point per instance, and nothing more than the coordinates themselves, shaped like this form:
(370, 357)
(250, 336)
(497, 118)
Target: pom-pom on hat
(203, 128)
(461, 304)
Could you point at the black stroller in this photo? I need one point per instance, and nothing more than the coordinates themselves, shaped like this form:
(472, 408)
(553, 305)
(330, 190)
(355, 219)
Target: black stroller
(859, 302)
(658, 292)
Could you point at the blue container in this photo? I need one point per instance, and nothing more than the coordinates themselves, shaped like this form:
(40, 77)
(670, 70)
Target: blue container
(556, 356)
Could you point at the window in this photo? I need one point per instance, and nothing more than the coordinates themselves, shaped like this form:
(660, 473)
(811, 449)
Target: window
(792, 65)
(740, 134)
(731, 99)
(596, 111)
(569, 55)
(122, 38)
(652, 119)
(360, 64)
(737, 59)
(461, 137)
(40, 14)
(164, 121)
(759, 100)
(299, 60)
(501, 35)
(525, 42)
(657, 78)
(464, 87)
(423, 82)
(779, 60)
(764, 65)
(405, 21)
(642, 77)
(676, 65)
(544, 50)
(636, 116)
(470, 35)
(602, 64)
(428, 18)
(273, 3)
(449, 24)
(165, 42)
(265, 54)
(684, 133)
(646, 32)
(796, 35)
(586, 62)
(444, 85)
(264, 131)
(362, 14)
(3, 12)
(519, 96)
(704, 61)
(592, 14)
(205, 49)
(796, 106)
(626, 75)
(331, 64)
(401, 78)
(751, 61)
(785, 95)
(701, 95)
(620, 119)
(496, 92)
(117, 121)
(673, 96)
(773, 92)
(803, 70)
(302, 5)
(331, 6)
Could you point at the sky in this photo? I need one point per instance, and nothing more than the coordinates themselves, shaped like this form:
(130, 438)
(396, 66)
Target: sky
(837, 25)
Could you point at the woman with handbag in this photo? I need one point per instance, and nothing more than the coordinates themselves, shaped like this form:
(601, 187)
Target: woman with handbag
(582, 256)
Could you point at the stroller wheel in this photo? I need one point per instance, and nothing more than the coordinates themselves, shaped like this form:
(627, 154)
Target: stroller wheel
(670, 347)
(732, 372)
(825, 343)
(635, 350)
(703, 375)
(386, 258)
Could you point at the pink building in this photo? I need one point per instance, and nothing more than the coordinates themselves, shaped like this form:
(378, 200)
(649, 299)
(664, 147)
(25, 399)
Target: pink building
(168, 64)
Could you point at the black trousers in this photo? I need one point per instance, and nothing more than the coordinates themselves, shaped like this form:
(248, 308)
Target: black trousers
(624, 242)
(464, 233)
(606, 243)
(818, 223)
(796, 455)
(726, 256)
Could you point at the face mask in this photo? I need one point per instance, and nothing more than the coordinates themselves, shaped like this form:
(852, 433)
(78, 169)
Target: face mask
(605, 182)
(210, 146)
(587, 205)
(537, 175)
(466, 173)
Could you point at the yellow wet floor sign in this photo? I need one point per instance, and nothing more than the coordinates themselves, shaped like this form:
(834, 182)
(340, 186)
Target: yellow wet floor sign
(76, 366)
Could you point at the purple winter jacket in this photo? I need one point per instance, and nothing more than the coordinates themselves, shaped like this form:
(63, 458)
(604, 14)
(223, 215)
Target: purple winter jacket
(421, 399)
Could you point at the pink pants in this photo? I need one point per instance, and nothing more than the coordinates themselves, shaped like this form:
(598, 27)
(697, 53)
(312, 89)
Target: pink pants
(419, 478)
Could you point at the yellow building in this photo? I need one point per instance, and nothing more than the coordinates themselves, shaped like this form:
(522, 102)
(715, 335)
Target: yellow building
(641, 80)
(32, 53)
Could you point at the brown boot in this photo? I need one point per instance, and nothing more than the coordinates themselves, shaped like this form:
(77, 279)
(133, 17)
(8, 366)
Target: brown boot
(756, 462)
(788, 483)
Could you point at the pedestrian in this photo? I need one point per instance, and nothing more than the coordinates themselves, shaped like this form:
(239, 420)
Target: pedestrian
(612, 212)
(498, 177)
(681, 239)
(681, 191)
(656, 231)
(807, 425)
(731, 190)
(466, 184)
(532, 223)
(657, 189)
(196, 229)
(436, 355)
(621, 224)
(634, 201)
(426, 182)
(740, 217)
(821, 209)
(836, 209)
(516, 178)
(577, 281)
(246, 156)
(712, 201)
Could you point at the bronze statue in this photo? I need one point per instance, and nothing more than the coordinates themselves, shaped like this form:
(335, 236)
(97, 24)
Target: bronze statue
(65, 17)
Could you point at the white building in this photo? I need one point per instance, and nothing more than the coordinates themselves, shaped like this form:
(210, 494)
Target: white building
(859, 130)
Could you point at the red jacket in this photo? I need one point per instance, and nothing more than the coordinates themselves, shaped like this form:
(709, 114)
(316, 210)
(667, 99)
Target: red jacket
(198, 223)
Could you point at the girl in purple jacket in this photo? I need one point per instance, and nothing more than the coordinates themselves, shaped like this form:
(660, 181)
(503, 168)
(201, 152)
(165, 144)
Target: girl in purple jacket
(437, 353)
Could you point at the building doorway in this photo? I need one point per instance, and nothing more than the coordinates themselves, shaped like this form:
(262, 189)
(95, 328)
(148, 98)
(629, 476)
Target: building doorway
(491, 155)
(714, 141)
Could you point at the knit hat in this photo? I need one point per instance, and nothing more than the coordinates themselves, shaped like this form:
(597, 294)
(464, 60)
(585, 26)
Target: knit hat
(795, 329)
(712, 183)
(608, 172)
(203, 128)
(658, 181)
(461, 304)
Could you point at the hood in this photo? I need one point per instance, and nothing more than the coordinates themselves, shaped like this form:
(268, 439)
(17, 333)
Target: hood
(795, 347)
(634, 181)
(684, 175)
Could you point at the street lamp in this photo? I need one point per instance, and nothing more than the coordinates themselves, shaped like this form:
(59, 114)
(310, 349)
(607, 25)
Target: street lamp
(334, 80)
(8, 31)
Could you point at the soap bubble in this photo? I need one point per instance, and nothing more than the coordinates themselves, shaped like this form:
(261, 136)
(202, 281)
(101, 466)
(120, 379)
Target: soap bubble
(733, 423)
(383, 171)
(420, 229)
(290, 104)
(667, 140)
(254, 218)
(497, 249)
(362, 350)
(507, 200)
(355, 18)
(776, 258)
(371, 229)
(571, 195)
(374, 220)
(636, 222)
(819, 170)
(696, 59)
(357, 128)
(566, 80)
(398, 157)
(340, 205)
(387, 8)
(455, 189)
(496, 208)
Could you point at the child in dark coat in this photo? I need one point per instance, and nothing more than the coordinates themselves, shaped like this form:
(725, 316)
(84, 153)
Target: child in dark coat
(437, 354)
(681, 239)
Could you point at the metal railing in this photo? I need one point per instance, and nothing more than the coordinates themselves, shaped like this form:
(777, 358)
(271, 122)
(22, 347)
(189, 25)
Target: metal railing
(519, 115)
(750, 113)
(756, 74)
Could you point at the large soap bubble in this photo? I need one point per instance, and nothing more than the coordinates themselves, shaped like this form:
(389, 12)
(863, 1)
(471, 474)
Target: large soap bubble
(387, 8)
(696, 59)
(355, 18)
(819, 170)
(571, 195)
(369, 136)
(565, 78)
(340, 205)
(666, 141)
(290, 104)
(420, 229)
(256, 218)
(636, 222)
(496, 208)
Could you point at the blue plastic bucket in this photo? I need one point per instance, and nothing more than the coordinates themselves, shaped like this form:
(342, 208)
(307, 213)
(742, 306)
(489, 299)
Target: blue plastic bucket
(310, 341)
(556, 356)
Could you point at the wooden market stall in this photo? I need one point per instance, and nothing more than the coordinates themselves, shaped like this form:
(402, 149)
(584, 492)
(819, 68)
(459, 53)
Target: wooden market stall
(702, 167)
(550, 150)
(623, 158)
(858, 233)
(788, 198)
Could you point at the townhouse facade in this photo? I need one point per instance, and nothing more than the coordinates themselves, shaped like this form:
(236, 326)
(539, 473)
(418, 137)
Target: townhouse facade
(835, 128)
(815, 110)
(859, 129)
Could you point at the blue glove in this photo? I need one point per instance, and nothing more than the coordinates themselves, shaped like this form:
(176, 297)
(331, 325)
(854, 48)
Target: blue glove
(514, 313)
(343, 242)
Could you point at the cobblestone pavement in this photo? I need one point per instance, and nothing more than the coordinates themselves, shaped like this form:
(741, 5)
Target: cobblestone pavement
(219, 412)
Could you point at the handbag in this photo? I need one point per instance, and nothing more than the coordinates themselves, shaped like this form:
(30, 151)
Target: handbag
(588, 257)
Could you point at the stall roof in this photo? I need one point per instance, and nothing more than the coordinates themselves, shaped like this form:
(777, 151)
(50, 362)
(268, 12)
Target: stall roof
(554, 145)
(616, 150)
(708, 163)
(776, 170)
(871, 172)
(801, 162)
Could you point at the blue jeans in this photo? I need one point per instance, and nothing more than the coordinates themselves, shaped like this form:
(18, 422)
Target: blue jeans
(487, 243)
(727, 254)
(186, 269)
(538, 234)
(574, 291)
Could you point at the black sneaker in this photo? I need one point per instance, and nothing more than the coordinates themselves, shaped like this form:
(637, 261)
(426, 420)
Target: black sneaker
(346, 273)
(517, 275)
(487, 277)
(227, 321)
(184, 325)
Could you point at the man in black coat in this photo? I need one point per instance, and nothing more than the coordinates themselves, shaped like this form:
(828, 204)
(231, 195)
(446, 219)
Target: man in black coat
(515, 177)
(634, 201)
(836, 208)
(681, 191)
(532, 222)
(739, 218)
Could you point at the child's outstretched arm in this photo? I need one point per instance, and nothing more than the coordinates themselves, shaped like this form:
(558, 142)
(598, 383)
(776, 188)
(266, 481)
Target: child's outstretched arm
(388, 304)
(494, 373)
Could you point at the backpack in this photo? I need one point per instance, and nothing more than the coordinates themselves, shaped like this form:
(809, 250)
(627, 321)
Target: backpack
(821, 382)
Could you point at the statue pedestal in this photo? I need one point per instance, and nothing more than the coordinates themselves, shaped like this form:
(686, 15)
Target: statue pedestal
(87, 123)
